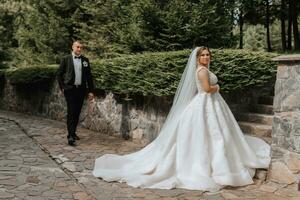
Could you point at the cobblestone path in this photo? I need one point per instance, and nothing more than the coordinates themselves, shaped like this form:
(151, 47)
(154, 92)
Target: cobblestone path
(37, 163)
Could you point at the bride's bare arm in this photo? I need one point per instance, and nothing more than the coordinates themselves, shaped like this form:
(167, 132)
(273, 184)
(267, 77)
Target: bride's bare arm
(203, 76)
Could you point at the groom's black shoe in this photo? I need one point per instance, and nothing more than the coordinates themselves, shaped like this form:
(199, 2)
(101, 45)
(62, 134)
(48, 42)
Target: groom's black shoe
(71, 141)
(76, 137)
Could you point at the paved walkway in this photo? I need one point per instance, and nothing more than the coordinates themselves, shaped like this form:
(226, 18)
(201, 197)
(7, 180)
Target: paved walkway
(37, 163)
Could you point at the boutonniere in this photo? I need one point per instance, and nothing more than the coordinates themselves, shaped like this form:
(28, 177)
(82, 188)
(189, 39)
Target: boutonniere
(85, 64)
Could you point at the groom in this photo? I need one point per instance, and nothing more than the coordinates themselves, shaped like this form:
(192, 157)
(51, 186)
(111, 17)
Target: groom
(75, 80)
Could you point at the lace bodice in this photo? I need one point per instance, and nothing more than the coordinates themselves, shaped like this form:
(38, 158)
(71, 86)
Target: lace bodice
(213, 79)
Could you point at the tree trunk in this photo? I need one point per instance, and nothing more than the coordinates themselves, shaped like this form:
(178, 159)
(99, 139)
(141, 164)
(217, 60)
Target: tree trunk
(282, 19)
(289, 44)
(232, 23)
(241, 20)
(295, 25)
(268, 25)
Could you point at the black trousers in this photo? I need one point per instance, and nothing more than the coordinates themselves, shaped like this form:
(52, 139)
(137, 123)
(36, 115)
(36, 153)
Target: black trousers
(74, 98)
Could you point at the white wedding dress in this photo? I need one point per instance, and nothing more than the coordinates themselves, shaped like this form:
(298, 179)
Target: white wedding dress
(204, 149)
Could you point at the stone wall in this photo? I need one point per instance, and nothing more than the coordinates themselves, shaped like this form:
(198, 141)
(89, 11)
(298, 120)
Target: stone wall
(285, 167)
(139, 118)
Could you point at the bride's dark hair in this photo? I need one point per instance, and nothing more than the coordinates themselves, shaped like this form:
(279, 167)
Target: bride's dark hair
(201, 49)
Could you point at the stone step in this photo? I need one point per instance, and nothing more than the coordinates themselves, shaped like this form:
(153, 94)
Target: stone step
(268, 100)
(266, 139)
(256, 129)
(262, 109)
(256, 117)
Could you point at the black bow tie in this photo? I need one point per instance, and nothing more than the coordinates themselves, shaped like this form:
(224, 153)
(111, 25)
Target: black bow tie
(77, 57)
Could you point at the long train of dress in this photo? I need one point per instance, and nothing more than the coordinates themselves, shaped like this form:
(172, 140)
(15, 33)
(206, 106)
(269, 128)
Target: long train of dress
(206, 150)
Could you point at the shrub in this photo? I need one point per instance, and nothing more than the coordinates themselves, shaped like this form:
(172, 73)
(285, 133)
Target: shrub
(158, 74)
(31, 75)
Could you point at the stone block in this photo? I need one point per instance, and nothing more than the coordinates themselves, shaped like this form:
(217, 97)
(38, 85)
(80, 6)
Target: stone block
(134, 123)
(282, 72)
(116, 124)
(286, 130)
(101, 125)
(292, 161)
(280, 173)
(137, 134)
(271, 187)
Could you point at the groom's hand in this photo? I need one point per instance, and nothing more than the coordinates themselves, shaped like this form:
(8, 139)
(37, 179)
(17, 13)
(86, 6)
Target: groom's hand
(61, 92)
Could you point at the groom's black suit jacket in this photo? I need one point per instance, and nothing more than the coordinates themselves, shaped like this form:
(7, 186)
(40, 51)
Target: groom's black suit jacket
(66, 73)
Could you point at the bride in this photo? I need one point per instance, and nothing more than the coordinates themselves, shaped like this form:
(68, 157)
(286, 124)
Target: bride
(200, 146)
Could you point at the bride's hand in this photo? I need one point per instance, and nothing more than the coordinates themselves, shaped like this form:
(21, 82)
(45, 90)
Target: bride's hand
(218, 87)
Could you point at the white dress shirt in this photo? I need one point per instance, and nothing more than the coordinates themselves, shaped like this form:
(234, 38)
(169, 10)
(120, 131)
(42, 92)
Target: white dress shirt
(77, 69)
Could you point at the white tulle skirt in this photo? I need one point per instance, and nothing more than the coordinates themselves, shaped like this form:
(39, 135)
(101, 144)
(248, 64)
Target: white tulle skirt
(204, 150)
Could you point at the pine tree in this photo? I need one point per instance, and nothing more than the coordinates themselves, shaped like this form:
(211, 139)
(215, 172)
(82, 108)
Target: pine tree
(125, 26)
(8, 12)
(254, 38)
(45, 32)
(185, 23)
(103, 25)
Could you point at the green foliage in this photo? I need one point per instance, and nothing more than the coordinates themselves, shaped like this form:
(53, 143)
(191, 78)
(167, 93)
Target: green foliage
(126, 26)
(37, 32)
(100, 24)
(243, 69)
(255, 38)
(147, 74)
(43, 30)
(6, 32)
(43, 35)
(184, 23)
(275, 29)
(158, 74)
(34, 75)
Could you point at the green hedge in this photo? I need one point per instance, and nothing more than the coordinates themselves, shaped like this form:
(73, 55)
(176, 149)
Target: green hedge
(159, 73)
(31, 75)
(241, 69)
(148, 74)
